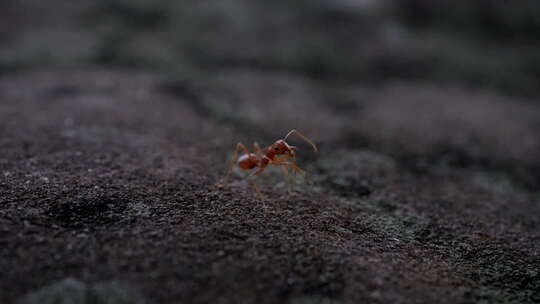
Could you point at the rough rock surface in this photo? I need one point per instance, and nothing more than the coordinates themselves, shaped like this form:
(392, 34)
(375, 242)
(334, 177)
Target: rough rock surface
(111, 175)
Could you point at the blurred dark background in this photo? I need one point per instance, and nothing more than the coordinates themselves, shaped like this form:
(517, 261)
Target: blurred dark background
(485, 44)
(118, 117)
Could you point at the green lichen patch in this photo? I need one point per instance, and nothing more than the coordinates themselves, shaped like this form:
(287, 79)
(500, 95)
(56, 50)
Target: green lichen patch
(72, 291)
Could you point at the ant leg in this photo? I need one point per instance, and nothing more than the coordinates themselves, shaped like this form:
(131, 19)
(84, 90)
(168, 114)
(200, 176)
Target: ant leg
(297, 169)
(258, 150)
(235, 158)
(259, 193)
(287, 178)
(285, 167)
(294, 167)
(261, 169)
(281, 161)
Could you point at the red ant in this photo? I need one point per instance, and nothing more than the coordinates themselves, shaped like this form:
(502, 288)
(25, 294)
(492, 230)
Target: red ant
(260, 160)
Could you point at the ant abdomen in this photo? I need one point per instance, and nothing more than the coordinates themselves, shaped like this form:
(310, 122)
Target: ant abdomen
(248, 161)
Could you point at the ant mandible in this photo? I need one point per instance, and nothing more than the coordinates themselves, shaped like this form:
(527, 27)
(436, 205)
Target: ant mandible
(280, 153)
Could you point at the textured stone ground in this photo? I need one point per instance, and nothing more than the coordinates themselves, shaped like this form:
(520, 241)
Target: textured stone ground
(109, 176)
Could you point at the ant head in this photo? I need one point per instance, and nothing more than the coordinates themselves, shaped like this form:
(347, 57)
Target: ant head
(281, 147)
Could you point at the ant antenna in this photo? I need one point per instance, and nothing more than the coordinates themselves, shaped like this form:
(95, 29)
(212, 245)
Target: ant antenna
(303, 137)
